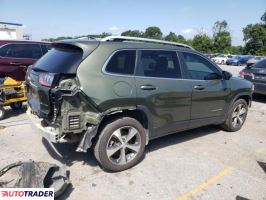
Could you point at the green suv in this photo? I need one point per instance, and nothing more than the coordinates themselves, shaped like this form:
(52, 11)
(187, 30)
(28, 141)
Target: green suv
(117, 94)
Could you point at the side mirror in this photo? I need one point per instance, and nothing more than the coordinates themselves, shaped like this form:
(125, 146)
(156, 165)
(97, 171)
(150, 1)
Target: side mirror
(213, 76)
(227, 75)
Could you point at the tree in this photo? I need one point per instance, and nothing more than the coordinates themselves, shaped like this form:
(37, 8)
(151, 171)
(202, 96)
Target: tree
(221, 37)
(134, 33)
(237, 50)
(255, 37)
(202, 43)
(175, 38)
(153, 32)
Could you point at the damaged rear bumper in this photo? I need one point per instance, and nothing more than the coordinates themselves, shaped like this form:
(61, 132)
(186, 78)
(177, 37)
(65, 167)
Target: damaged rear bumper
(52, 134)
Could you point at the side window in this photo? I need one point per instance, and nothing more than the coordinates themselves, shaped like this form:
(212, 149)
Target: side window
(21, 51)
(122, 62)
(158, 63)
(46, 48)
(199, 68)
(5, 51)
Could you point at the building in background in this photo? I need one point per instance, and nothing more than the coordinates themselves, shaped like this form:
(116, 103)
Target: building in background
(11, 31)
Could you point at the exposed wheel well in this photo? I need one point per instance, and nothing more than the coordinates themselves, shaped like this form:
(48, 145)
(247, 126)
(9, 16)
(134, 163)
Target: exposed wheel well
(139, 115)
(247, 98)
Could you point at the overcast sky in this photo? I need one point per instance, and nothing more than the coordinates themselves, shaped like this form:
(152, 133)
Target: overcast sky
(53, 18)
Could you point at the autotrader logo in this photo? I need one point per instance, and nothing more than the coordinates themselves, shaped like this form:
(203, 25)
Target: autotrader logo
(26, 193)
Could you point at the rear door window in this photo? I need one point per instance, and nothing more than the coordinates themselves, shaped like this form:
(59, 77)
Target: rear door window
(122, 62)
(32, 51)
(159, 63)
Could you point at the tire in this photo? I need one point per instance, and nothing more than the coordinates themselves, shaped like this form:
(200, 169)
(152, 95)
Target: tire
(16, 106)
(236, 116)
(113, 141)
(2, 113)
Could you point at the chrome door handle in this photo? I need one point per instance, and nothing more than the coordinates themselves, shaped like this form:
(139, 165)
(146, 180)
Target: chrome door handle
(147, 87)
(199, 87)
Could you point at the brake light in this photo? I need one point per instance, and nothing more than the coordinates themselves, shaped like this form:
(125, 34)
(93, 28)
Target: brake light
(243, 73)
(46, 79)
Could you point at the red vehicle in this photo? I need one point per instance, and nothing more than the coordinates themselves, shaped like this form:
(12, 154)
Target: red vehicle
(16, 56)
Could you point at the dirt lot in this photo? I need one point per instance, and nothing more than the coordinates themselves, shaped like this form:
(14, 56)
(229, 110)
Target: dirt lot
(205, 163)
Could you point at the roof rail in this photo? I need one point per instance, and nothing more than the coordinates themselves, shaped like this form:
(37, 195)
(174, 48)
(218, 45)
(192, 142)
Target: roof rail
(137, 39)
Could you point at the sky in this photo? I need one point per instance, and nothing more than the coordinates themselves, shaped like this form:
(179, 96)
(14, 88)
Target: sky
(53, 18)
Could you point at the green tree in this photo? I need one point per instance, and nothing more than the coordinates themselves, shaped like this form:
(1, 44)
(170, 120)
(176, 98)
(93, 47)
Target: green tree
(237, 50)
(221, 37)
(133, 33)
(175, 38)
(255, 37)
(202, 43)
(153, 32)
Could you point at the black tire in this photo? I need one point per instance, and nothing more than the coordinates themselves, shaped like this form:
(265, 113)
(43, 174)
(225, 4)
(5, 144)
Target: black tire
(229, 124)
(2, 113)
(107, 136)
(16, 106)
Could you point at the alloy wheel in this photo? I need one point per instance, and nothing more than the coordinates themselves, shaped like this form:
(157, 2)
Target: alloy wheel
(238, 116)
(123, 145)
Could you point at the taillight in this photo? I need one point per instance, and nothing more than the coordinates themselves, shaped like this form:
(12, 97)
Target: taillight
(243, 73)
(46, 79)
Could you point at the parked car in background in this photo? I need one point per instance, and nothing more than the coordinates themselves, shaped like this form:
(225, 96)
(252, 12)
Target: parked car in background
(16, 56)
(98, 94)
(254, 60)
(256, 73)
(237, 60)
(221, 59)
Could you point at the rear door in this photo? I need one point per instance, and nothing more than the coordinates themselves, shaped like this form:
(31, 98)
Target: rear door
(210, 91)
(161, 89)
(14, 59)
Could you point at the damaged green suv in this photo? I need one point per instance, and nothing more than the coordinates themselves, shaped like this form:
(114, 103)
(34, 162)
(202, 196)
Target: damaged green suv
(116, 94)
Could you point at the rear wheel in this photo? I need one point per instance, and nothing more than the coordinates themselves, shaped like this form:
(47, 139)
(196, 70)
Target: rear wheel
(121, 144)
(2, 113)
(237, 116)
(16, 106)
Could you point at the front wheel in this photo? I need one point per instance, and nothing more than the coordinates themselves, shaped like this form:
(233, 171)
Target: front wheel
(121, 144)
(237, 116)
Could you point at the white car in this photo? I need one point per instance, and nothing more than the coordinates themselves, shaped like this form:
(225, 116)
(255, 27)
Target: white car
(221, 59)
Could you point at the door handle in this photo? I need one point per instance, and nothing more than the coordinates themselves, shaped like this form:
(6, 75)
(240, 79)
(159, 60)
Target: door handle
(199, 87)
(15, 63)
(147, 87)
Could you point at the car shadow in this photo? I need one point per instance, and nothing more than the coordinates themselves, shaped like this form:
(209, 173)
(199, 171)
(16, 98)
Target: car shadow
(66, 154)
(259, 98)
(13, 113)
(181, 137)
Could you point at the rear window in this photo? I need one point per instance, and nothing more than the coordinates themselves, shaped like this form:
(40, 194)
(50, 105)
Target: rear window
(260, 64)
(61, 59)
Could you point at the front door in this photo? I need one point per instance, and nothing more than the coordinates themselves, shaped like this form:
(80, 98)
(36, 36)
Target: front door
(210, 90)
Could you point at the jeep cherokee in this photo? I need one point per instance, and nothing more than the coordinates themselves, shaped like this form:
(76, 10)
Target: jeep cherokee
(116, 94)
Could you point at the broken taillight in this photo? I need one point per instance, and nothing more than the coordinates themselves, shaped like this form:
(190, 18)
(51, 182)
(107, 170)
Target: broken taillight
(46, 79)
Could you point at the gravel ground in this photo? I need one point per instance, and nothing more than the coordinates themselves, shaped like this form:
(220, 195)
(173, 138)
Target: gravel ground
(205, 163)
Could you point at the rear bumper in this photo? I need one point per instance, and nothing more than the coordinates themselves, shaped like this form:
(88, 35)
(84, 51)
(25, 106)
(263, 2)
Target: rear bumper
(52, 134)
